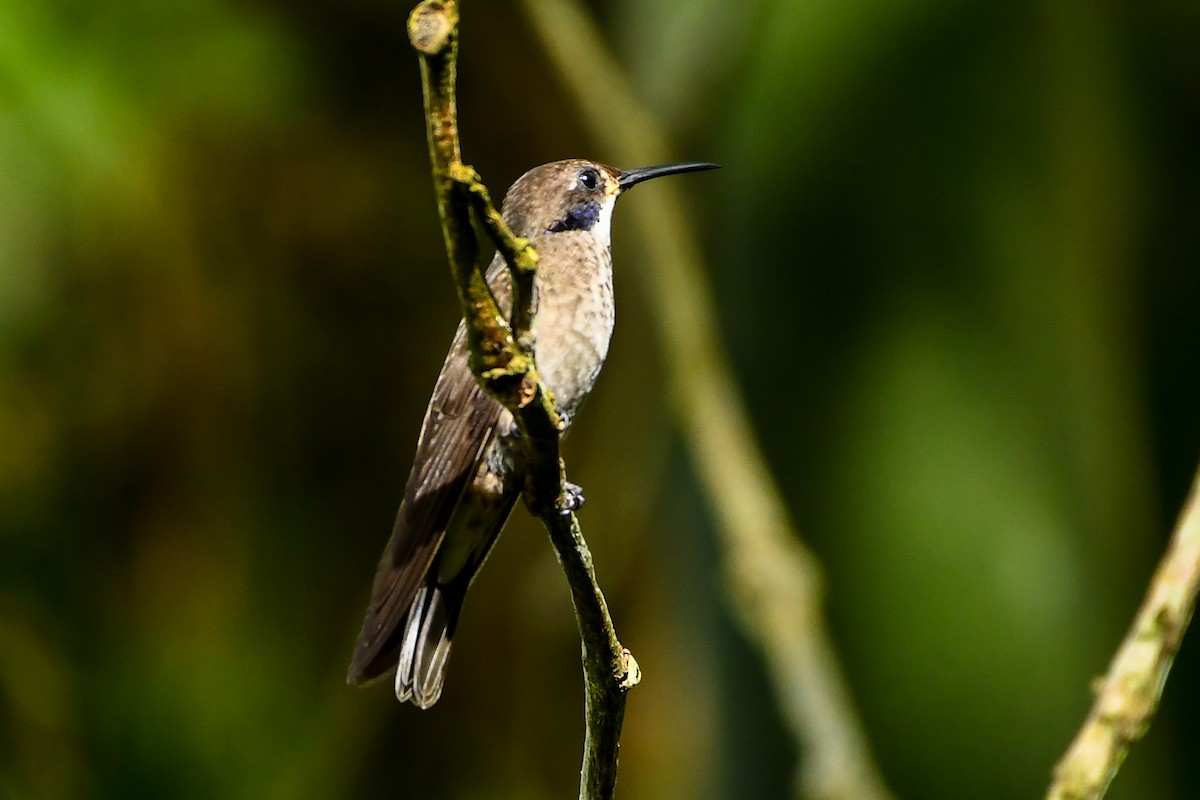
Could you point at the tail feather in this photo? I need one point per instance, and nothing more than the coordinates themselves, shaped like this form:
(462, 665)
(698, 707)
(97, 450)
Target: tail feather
(425, 645)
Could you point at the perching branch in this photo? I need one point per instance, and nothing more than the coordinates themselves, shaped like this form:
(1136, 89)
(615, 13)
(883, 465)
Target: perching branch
(520, 256)
(774, 579)
(502, 359)
(1128, 696)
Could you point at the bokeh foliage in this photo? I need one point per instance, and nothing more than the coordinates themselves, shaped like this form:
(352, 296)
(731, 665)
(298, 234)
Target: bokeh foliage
(957, 252)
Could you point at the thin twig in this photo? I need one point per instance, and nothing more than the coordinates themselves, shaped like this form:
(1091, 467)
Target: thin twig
(775, 581)
(503, 362)
(1128, 696)
(610, 670)
(520, 256)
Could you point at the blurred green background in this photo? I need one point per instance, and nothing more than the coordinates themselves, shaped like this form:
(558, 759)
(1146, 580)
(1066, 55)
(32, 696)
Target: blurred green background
(958, 256)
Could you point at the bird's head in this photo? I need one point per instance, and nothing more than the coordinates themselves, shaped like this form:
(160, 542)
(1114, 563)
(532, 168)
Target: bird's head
(575, 195)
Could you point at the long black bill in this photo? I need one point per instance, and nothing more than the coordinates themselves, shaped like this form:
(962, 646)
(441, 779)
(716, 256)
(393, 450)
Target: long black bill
(629, 177)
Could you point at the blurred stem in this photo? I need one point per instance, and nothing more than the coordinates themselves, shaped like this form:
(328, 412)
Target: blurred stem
(775, 580)
(503, 362)
(1128, 696)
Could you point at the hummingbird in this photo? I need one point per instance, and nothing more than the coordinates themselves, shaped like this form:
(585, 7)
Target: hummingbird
(469, 466)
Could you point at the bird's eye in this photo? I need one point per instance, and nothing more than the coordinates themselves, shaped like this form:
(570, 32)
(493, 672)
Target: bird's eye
(589, 179)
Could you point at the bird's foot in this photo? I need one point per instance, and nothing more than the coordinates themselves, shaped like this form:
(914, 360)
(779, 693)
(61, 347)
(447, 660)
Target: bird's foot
(572, 497)
(564, 419)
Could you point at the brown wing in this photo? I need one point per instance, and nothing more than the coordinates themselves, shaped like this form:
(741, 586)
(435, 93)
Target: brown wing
(459, 423)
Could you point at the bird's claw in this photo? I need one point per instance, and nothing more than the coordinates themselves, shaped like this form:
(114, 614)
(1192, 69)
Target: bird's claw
(572, 497)
(564, 419)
